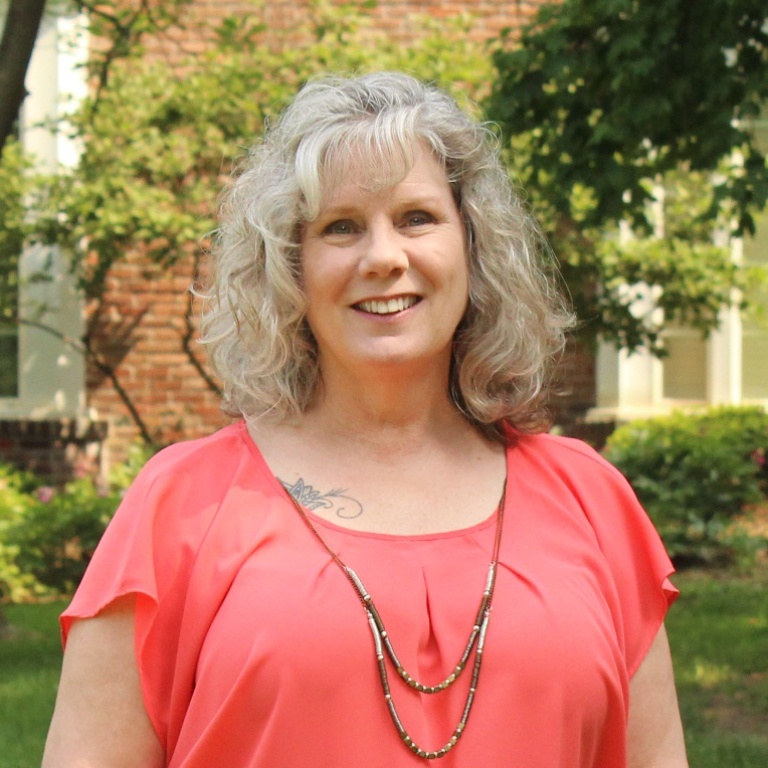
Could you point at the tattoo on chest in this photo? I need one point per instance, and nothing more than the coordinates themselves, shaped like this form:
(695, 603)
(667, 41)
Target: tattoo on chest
(335, 500)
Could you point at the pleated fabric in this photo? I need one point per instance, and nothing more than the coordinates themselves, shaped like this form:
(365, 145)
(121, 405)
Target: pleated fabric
(255, 652)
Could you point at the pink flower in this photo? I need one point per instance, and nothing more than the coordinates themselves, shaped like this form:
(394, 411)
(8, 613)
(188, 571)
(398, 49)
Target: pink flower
(45, 493)
(758, 456)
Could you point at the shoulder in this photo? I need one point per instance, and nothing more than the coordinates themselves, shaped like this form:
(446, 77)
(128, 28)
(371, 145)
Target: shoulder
(193, 470)
(209, 455)
(563, 455)
(571, 470)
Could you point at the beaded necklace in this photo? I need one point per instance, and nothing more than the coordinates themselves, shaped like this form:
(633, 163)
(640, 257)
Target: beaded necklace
(383, 644)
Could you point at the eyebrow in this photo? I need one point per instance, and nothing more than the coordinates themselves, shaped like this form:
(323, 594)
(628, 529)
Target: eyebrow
(414, 201)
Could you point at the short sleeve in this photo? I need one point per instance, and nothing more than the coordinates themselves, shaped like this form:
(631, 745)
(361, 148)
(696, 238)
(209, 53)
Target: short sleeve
(632, 568)
(136, 556)
(123, 562)
(637, 559)
(150, 549)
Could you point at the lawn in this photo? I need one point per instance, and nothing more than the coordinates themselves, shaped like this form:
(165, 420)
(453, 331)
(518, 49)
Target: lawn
(29, 670)
(718, 631)
(719, 636)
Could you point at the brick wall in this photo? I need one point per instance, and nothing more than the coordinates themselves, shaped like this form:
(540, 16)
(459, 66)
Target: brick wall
(140, 331)
(400, 18)
(146, 358)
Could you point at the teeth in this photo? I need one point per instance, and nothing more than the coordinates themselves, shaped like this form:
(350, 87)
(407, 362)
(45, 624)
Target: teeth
(388, 307)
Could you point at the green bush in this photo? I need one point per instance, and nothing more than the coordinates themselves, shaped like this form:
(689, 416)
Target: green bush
(59, 531)
(47, 535)
(15, 502)
(694, 473)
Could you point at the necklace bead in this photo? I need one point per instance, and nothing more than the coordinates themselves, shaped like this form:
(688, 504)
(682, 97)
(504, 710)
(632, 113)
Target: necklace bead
(382, 643)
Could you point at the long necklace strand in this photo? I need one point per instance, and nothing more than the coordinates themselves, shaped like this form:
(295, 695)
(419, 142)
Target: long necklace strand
(383, 644)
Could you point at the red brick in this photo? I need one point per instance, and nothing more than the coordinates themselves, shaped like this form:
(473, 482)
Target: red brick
(141, 324)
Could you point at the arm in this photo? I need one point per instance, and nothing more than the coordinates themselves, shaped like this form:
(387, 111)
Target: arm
(100, 720)
(655, 733)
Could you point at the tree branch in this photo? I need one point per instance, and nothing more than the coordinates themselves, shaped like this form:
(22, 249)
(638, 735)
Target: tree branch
(84, 347)
(121, 40)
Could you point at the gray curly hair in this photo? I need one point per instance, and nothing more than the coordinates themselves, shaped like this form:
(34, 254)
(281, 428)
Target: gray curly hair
(254, 322)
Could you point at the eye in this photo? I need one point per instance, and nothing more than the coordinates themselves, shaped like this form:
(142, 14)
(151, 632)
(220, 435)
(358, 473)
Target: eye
(418, 218)
(340, 227)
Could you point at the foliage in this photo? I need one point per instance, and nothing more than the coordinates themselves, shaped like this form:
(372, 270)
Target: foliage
(695, 473)
(649, 284)
(160, 140)
(622, 113)
(48, 535)
(58, 534)
(15, 502)
(159, 137)
(13, 184)
(159, 134)
(616, 92)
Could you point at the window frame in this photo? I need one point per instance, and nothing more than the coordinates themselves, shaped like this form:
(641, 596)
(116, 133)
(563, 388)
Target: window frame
(51, 368)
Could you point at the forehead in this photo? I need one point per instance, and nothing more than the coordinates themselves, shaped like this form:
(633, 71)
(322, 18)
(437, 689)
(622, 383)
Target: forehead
(413, 171)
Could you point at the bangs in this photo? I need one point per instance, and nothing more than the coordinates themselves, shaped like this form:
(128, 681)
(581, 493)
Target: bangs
(377, 151)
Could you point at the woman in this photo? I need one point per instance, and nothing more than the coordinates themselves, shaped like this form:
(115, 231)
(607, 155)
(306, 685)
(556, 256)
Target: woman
(323, 582)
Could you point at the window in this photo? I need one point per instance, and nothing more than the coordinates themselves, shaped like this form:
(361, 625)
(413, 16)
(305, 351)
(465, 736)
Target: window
(754, 361)
(9, 335)
(41, 376)
(685, 367)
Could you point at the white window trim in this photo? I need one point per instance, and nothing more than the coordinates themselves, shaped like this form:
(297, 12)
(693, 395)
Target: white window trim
(631, 386)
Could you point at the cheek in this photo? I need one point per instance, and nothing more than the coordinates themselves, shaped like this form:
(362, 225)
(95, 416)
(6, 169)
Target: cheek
(324, 275)
(314, 279)
(462, 291)
(461, 278)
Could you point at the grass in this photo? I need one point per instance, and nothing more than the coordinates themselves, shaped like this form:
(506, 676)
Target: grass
(719, 637)
(718, 631)
(29, 670)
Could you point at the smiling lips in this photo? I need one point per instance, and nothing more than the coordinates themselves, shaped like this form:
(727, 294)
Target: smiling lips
(387, 306)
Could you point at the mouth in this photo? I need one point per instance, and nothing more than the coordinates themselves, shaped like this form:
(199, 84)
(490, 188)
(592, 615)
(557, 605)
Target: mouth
(387, 306)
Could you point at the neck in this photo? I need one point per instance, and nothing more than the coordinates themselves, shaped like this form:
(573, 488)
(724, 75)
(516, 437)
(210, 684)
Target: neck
(386, 406)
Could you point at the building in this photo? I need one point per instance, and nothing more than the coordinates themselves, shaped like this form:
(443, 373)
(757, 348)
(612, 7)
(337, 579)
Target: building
(143, 376)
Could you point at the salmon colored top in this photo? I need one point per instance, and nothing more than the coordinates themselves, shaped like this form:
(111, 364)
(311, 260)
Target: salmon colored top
(254, 650)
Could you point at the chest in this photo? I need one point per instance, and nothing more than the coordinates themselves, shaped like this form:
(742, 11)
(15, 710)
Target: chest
(291, 639)
(429, 492)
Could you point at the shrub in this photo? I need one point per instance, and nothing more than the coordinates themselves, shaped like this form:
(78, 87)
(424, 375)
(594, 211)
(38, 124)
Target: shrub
(56, 536)
(48, 535)
(694, 473)
(14, 504)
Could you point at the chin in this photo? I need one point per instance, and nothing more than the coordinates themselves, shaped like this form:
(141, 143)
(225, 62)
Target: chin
(405, 357)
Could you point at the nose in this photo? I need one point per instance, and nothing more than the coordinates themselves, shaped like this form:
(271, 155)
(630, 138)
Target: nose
(384, 253)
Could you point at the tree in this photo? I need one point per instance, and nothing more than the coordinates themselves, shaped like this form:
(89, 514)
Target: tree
(158, 140)
(612, 108)
(119, 25)
(22, 23)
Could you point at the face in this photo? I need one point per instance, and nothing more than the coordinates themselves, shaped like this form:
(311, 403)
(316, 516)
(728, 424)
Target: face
(385, 272)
